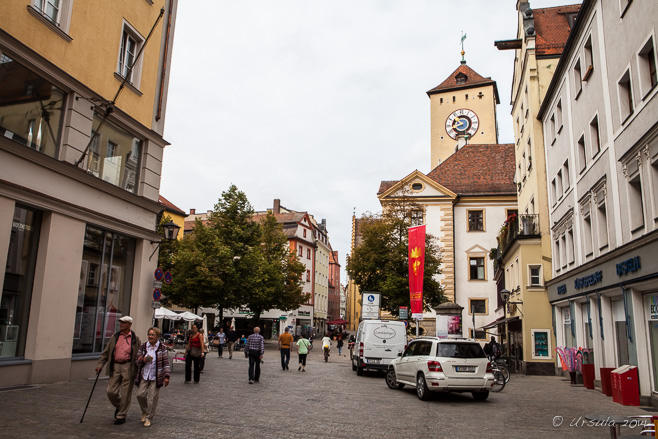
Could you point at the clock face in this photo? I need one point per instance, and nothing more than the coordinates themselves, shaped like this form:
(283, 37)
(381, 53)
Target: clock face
(462, 121)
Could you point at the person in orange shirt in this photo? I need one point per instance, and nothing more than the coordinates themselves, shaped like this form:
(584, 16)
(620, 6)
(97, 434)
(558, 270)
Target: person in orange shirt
(285, 341)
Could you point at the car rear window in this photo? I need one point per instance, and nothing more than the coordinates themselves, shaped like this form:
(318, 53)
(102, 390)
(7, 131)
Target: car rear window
(460, 350)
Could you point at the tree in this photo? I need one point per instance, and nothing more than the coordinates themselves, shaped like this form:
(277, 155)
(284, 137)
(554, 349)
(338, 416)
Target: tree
(279, 275)
(380, 263)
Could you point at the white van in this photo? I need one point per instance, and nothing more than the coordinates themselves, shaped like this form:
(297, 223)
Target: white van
(377, 343)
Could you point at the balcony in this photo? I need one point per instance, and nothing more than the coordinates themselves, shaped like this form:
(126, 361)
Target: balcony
(517, 227)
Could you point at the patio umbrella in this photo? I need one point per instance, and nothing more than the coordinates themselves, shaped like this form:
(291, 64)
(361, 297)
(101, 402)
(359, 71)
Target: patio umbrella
(189, 316)
(164, 313)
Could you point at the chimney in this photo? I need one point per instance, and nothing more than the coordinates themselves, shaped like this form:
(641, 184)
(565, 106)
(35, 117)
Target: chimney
(192, 211)
(277, 206)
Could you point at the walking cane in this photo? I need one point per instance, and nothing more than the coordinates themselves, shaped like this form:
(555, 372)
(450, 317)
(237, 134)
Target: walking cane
(92, 392)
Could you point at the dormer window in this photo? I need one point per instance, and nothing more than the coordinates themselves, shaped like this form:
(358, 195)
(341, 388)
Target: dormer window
(461, 79)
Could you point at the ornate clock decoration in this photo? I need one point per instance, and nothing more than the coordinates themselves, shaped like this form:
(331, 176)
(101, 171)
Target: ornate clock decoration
(461, 122)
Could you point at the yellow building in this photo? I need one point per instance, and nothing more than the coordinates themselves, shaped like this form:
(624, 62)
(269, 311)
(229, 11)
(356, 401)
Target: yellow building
(523, 258)
(83, 93)
(176, 214)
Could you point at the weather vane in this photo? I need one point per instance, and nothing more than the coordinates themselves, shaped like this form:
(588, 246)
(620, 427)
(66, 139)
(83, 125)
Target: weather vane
(463, 38)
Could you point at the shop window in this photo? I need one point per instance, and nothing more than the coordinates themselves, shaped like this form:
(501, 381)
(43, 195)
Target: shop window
(621, 334)
(31, 108)
(569, 339)
(647, 67)
(476, 268)
(105, 288)
(651, 307)
(475, 220)
(19, 277)
(114, 155)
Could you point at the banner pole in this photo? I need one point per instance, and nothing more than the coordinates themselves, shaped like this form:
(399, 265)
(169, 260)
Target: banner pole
(416, 328)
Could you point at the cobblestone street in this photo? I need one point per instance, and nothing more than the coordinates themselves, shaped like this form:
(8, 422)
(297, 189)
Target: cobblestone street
(328, 401)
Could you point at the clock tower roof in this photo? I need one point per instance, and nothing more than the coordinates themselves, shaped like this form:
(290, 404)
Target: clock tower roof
(462, 78)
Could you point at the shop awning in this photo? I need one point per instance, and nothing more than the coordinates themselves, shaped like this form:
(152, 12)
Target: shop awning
(500, 321)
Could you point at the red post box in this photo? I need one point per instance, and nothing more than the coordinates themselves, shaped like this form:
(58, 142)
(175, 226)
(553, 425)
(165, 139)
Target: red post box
(588, 375)
(606, 380)
(625, 386)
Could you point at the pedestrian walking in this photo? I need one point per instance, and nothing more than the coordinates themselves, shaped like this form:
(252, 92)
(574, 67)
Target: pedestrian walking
(303, 346)
(193, 355)
(121, 352)
(232, 338)
(154, 370)
(285, 341)
(206, 348)
(254, 350)
(339, 344)
(222, 341)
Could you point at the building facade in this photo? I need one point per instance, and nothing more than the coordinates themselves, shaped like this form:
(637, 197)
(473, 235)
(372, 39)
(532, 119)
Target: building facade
(599, 118)
(80, 157)
(523, 256)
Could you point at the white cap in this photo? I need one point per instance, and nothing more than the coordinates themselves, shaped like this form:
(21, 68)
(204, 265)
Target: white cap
(126, 319)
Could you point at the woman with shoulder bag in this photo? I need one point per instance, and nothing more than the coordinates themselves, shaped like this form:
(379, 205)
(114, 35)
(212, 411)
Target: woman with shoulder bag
(194, 352)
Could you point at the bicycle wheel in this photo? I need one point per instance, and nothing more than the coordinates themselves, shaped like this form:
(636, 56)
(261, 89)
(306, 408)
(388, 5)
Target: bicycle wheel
(499, 381)
(505, 371)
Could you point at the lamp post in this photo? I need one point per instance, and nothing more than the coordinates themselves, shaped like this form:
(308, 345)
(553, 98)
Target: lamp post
(170, 230)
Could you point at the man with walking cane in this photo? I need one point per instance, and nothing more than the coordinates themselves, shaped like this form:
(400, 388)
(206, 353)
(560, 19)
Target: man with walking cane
(121, 352)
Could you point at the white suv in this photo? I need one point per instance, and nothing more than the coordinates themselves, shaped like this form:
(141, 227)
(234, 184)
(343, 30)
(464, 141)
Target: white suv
(433, 364)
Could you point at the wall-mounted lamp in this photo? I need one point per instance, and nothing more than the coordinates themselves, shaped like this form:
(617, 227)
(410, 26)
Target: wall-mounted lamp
(170, 230)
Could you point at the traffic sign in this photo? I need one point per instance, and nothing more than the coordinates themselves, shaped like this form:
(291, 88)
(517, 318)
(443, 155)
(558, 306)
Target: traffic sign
(157, 284)
(157, 294)
(159, 274)
(155, 305)
(167, 277)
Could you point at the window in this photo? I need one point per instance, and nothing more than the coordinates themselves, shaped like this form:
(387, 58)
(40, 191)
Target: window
(479, 334)
(602, 225)
(647, 67)
(558, 181)
(558, 115)
(582, 154)
(131, 43)
(308, 253)
(114, 155)
(476, 268)
(304, 233)
(535, 275)
(589, 63)
(551, 129)
(477, 306)
(594, 135)
(301, 251)
(556, 254)
(571, 253)
(654, 178)
(308, 275)
(18, 280)
(32, 108)
(563, 250)
(416, 217)
(55, 14)
(104, 294)
(577, 79)
(461, 79)
(635, 202)
(565, 176)
(50, 9)
(475, 220)
(416, 186)
(587, 234)
(554, 192)
(625, 96)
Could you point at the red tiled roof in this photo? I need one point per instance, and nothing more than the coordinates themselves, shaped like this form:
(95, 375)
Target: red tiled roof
(478, 170)
(170, 206)
(552, 28)
(386, 185)
(472, 79)
(284, 217)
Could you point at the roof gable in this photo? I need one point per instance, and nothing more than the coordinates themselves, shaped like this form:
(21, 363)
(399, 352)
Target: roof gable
(427, 187)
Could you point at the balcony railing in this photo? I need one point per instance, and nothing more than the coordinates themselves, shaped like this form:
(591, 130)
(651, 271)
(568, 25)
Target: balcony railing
(515, 226)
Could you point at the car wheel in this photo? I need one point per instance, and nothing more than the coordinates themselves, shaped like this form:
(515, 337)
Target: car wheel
(421, 388)
(391, 380)
(359, 369)
(353, 365)
(481, 396)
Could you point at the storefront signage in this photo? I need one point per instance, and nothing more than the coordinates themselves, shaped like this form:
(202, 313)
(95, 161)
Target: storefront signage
(588, 281)
(653, 307)
(562, 289)
(301, 313)
(20, 226)
(628, 266)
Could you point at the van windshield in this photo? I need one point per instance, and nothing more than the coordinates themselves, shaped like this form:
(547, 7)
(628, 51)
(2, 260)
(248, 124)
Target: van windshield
(460, 350)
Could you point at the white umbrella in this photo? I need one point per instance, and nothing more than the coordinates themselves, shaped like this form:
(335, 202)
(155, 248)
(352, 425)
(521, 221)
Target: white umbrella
(189, 316)
(164, 313)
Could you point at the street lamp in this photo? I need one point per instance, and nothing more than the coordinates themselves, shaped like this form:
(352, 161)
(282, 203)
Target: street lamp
(170, 230)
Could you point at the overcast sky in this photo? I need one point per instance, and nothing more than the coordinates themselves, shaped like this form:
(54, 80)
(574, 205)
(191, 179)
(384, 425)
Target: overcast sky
(315, 102)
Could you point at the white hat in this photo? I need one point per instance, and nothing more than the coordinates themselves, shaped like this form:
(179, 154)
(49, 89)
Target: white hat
(126, 319)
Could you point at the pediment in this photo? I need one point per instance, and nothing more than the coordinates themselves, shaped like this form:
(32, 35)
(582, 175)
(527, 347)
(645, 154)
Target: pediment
(419, 185)
(477, 249)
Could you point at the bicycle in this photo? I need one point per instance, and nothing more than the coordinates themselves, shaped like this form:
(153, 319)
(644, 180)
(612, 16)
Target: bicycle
(499, 381)
(500, 366)
(326, 354)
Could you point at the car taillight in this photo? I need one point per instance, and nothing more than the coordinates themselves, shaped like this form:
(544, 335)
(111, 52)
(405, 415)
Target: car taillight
(434, 366)
(489, 369)
(361, 349)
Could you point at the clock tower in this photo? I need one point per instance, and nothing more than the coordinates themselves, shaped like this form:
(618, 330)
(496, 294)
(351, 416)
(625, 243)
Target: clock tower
(463, 110)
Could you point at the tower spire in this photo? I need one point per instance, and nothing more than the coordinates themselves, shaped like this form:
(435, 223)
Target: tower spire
(463, 61)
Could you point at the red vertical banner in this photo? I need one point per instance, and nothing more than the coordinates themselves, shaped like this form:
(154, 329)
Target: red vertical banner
(416, 269)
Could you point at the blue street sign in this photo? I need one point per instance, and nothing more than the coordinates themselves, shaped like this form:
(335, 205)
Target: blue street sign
(167, 277)
(159, 274)
(157, 294)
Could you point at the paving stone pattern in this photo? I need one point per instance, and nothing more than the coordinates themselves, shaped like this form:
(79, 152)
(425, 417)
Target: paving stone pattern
(327, 401)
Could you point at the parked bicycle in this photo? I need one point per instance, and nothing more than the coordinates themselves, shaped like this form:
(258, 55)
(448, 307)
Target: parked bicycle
(499, 365)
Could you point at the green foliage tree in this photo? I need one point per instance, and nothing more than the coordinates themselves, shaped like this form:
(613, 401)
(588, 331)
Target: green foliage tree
(381, 263)
(279, 277)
